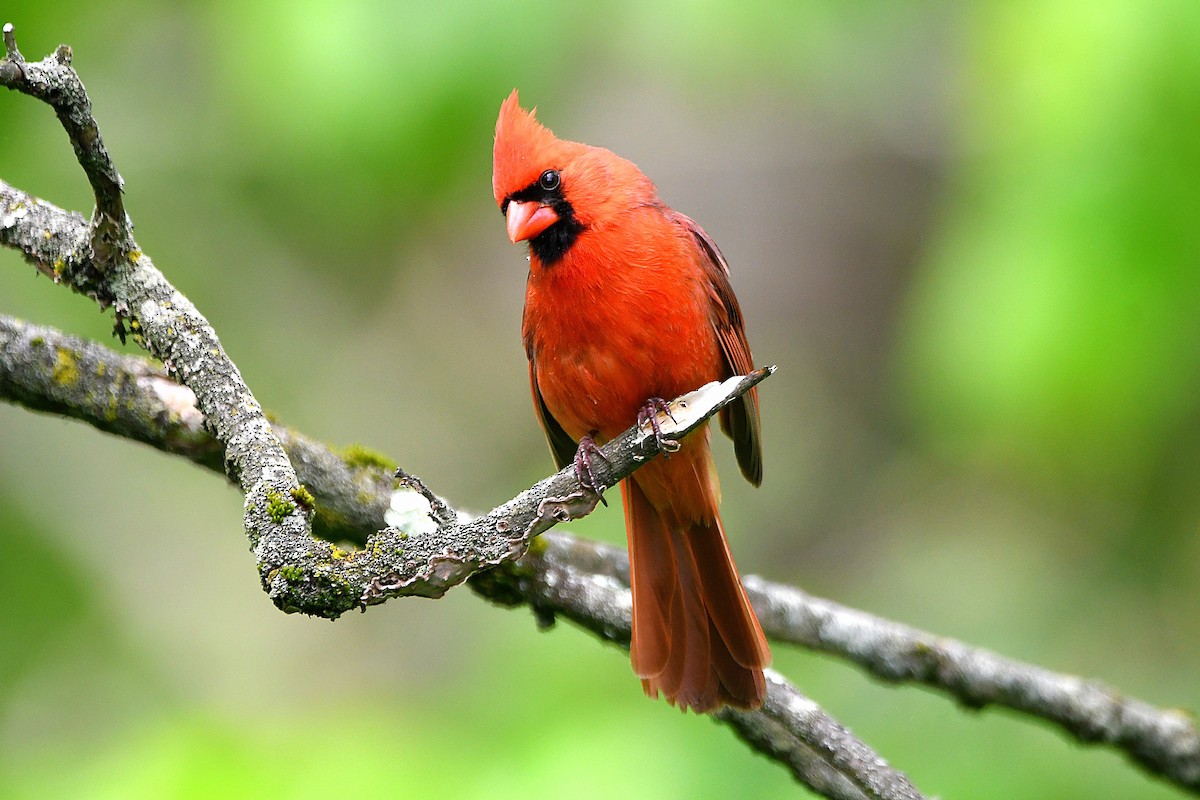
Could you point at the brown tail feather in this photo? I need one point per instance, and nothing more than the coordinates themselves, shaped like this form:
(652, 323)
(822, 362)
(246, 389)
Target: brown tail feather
(695, 637)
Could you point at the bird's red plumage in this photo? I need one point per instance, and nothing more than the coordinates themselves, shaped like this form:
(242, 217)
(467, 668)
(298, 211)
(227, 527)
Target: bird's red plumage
(638, 306)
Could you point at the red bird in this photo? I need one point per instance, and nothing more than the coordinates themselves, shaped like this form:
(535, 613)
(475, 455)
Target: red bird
(628, 302)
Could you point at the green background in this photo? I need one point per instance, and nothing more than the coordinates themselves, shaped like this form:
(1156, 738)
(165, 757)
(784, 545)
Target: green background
(967, 232)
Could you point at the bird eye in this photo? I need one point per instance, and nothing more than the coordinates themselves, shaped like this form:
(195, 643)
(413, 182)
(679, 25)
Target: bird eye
(550, 180)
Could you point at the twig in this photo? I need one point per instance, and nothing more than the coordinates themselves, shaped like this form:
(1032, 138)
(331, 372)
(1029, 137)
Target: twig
(54, 82)
(56, 242)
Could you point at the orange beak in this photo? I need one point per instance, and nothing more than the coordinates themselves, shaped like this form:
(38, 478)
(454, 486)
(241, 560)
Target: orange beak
(526, 219)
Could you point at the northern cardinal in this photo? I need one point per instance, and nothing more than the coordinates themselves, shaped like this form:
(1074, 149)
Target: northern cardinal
(629, 302)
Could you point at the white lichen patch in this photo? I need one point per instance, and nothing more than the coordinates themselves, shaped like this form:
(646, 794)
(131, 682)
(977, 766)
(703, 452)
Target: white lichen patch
(10, 214)
(409, 511)
(179, 400)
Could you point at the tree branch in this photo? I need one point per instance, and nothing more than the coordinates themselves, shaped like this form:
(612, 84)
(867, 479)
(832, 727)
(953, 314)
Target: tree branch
(46, 370)
(298, 571)
(201, 391)
(54, 82)
(162, 319)
(582, 580)
(1163, 741)
(588, 584)
(49, 371)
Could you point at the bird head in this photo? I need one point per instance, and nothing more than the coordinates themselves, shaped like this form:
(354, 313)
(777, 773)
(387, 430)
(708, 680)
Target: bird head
(551, 190)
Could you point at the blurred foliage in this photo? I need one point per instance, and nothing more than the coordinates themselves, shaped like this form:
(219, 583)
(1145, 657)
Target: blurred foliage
(1068, 264)
(966, 232)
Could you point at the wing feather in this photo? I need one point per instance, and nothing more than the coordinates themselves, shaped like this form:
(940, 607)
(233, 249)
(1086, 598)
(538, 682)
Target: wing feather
(562, 446)
(739, 420)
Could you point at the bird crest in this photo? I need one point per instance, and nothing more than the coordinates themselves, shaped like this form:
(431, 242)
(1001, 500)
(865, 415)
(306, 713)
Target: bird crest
(524, 148)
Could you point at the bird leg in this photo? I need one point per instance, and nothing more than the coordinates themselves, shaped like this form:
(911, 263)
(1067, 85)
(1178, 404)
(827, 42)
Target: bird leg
(587, 450)
(648, 415)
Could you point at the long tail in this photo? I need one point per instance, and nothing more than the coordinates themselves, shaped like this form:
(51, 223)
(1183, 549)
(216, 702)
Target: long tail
(695, 637)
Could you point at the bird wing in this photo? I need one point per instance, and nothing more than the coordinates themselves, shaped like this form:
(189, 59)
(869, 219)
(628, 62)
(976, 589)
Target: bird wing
(740, 419)
(562, 446)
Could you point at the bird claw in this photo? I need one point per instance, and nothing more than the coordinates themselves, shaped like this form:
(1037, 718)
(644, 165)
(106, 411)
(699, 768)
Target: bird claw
(587, 450)
(648, 416)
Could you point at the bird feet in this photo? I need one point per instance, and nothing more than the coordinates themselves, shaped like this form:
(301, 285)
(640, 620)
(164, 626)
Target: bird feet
(648, 416)
(587, 450)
